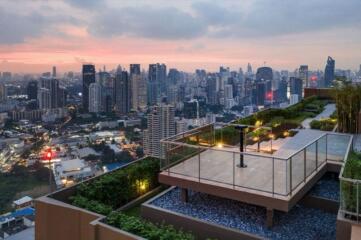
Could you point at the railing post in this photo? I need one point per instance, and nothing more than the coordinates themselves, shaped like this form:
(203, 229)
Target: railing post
(291, 176)
(234, 169)
(199, 166)
(357, 201)
(304, 165)
(273, 176)
(326, 146)
(316, 155)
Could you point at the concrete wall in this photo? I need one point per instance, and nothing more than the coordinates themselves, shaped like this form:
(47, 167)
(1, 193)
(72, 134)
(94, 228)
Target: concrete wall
(56, 220)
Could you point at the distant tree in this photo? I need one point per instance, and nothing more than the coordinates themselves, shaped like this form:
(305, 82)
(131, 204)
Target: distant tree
(139, 151)
(108, 155)
(123, 156)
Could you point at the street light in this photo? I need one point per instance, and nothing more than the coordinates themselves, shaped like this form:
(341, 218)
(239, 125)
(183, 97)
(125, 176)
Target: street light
(241, 129)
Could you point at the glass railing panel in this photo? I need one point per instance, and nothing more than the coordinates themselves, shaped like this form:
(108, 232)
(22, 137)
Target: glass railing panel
(258, 175)
(337, 146)
(311, 155)
(321, 150)
(297, 169)
(281, 179)
(217, 166)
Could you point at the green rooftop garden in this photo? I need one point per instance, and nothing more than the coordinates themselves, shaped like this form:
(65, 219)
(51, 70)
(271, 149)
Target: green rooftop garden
(109, 192)
(292, 116)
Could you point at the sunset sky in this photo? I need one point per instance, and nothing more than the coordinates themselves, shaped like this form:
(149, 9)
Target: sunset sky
(36, 35)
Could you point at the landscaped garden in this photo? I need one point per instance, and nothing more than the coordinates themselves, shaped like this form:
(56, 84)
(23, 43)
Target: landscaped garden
(110, 192)
(350, 188)
(288, 118)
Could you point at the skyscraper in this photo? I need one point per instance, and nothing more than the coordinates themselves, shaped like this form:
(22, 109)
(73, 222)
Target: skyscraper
(260, 93)
(2, 92)
(88, 78)
(303, 74)
(32, 90)
(329, 72)
(52, 84)
(95, 98)
(161, 124)
(135, 79)
(156, 82)
(264, 74)
(54, 72)
(122, 92)
(296, 87)
(44, 98)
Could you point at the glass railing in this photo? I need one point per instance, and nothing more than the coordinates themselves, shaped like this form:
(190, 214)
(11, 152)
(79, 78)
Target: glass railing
(350, 194)
(197, 156)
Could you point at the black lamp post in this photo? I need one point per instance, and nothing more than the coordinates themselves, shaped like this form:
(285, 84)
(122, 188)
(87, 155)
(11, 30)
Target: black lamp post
(241, 145)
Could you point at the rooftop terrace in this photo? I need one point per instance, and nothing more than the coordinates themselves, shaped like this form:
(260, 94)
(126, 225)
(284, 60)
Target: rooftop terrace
(207, 160)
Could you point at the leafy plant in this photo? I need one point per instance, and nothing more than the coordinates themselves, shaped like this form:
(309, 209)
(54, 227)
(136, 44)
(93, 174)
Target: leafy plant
(145, 228)
(119, 187)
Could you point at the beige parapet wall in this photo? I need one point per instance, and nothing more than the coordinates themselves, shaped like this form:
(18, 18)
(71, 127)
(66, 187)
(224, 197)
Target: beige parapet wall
(56, 220)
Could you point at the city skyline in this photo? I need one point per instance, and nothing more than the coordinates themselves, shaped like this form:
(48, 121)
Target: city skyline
(185, 35)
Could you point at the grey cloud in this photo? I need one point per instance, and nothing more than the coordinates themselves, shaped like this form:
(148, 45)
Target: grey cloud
(85, 4)
(148, 22)
(17, 27)
(271, 18)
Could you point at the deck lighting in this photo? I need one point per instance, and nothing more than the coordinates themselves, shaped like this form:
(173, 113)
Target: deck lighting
(258, 123)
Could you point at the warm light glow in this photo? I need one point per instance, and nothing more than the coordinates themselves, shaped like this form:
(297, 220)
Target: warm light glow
(142, 186)
(286, 133)
(220, 145)
(255, 139)
(258, 123)
(272, 136)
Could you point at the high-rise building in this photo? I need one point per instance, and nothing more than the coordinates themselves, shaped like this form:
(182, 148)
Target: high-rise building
(260, 93)
(249, 70)
(54, 72)
(2, 92)
(157, 85)
(134, 69)
(135, 78)
(6, 76)
(264, 74)
(95, 98)
(329, 72)
(44, 98)
(88, 78)
(32, 90)
(122, 92)
(281, 93)
(52, 84)
(296, 87)
(161, 124)
(303, 74)
(212, 96)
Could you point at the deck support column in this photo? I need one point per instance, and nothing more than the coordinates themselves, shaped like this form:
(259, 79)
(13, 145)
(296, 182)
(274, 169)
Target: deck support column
(184, 195)
(269, 221)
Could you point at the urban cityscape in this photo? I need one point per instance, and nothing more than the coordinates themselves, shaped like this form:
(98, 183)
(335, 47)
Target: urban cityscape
(180, 120)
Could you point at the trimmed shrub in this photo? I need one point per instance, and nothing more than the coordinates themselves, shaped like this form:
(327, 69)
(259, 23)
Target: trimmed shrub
(145, 228)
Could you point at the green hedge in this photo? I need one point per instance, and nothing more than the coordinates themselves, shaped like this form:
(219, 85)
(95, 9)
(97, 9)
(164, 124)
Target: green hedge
(115, 189)
(352, 170)
(145, 228)
(324, 124)
(306, 108)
